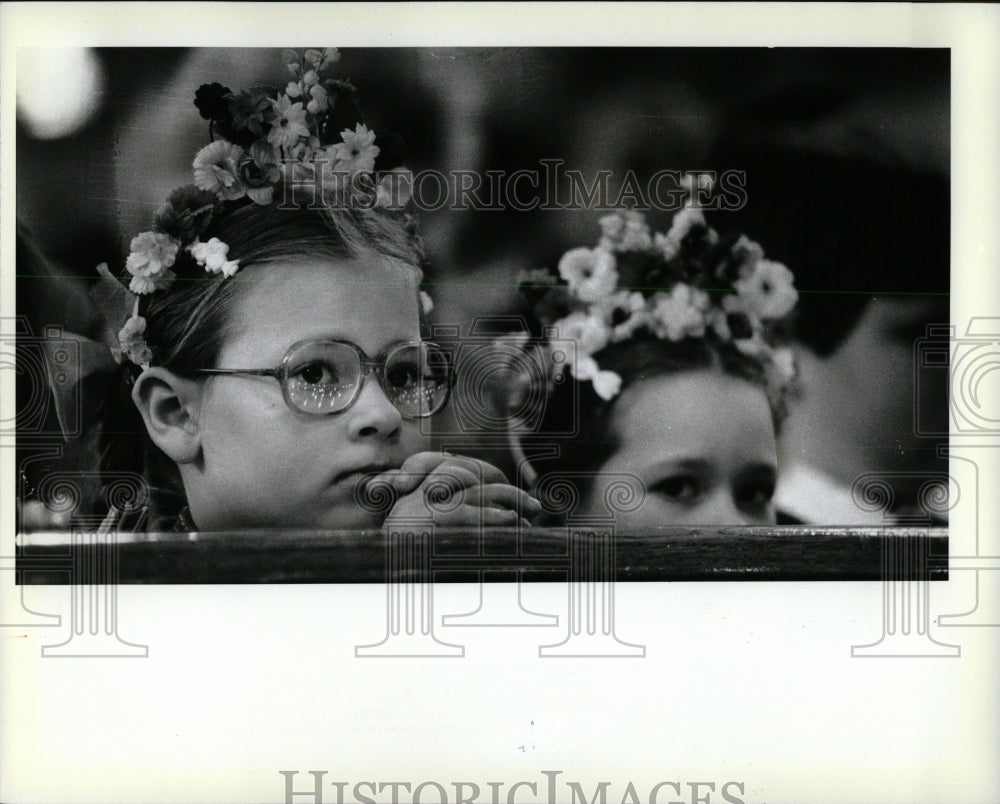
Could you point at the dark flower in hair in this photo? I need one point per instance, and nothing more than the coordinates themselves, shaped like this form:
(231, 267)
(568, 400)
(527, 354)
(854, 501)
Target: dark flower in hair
(187, 213)
(211, 100)
(247, 109)
(260, 171)
(342, 113)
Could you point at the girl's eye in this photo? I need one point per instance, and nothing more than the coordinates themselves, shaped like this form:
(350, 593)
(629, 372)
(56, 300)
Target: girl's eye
(679, 488)
(317, 374)
(757, 494)
(403, 376)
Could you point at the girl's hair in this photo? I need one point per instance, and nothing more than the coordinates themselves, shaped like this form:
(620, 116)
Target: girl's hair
(186, 326)
(635, 360)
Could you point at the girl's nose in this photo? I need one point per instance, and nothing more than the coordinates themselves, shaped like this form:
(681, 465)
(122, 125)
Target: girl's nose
(372, 414)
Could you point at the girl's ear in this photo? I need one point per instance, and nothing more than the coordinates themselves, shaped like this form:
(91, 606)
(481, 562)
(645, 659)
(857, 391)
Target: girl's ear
(169, 405)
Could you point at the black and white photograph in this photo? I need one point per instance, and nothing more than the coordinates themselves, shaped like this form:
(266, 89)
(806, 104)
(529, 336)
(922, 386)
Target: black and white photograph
(651, 381)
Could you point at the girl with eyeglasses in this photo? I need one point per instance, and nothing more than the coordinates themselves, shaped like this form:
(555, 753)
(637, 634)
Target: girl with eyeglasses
(272, 358)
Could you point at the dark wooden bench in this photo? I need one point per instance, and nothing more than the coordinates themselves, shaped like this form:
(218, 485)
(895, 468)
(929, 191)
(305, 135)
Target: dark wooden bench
(793, 553)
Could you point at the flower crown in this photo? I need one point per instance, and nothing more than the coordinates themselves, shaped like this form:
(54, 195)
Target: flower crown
(686, 283)
(264, 141)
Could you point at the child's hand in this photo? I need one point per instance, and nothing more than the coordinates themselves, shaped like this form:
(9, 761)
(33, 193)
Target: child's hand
(457, 490)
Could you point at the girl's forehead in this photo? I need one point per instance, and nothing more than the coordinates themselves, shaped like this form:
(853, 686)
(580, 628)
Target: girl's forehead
(695, 414)
(370, 301)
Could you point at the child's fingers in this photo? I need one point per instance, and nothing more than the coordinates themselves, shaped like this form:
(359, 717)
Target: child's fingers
(475, 516)
(434, 478)
(413, 471)
(501, 495)
(484, 472)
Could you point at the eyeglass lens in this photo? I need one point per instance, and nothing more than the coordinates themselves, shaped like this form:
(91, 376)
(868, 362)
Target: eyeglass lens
(323, 377)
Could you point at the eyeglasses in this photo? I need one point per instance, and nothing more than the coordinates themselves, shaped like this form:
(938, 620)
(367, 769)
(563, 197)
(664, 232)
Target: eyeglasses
(324, 377)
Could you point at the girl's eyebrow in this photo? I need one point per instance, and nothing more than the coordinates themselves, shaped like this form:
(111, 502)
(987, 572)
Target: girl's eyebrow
(331, 336)
(760, 469)
(683, 463)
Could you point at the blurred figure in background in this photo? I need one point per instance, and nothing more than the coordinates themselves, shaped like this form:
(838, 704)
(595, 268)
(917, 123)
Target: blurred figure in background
(860, 211)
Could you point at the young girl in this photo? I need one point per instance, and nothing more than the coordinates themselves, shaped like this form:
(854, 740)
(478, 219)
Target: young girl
(678, 378)
(271, 355)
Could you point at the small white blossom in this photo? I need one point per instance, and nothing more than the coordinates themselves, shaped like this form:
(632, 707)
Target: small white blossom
(680, 313)
(426, 303)
(394, 189)
(767, 291)
(590, 273)
(783, 360)
(132, 341)
(151, 253)
(318, 100)
(216, 169)
(607, 384)
(589, 331)
(141, 285)
(212, 257)
(289, 124)
(357, 152)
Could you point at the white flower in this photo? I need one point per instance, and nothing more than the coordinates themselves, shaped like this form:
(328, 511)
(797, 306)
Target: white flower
(305, 150)
(394, 189)
(294, 89)
(310, 79)
(747, 253)
(132, 340)
(318, 102)
(590, 273)
(754, 346)
(682, 223)
(612, 226)
(298, 174)
(607, 384)
(624, 231)
(212, 256)
(716, 319)
(624, 312)
(666, 246)
(680, 313)
(783, 360)
(619, 305)
(426, 303)
(636, 235)
(767, 291)
(151, 253)
(357, 152)
(289, 124)
(141, 285)
(589, 331)
(216, 169)
(584, 367)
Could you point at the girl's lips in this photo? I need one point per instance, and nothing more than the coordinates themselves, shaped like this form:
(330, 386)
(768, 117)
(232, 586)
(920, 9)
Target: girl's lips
(362, 473)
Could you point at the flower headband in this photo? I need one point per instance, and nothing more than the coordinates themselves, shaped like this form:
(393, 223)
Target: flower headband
(263, 142)
(686, 283)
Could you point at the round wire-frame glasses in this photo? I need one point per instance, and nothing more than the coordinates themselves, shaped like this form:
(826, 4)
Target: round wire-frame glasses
(322, 377)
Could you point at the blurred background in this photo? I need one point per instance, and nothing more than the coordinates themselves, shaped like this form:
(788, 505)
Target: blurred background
(846, 151)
